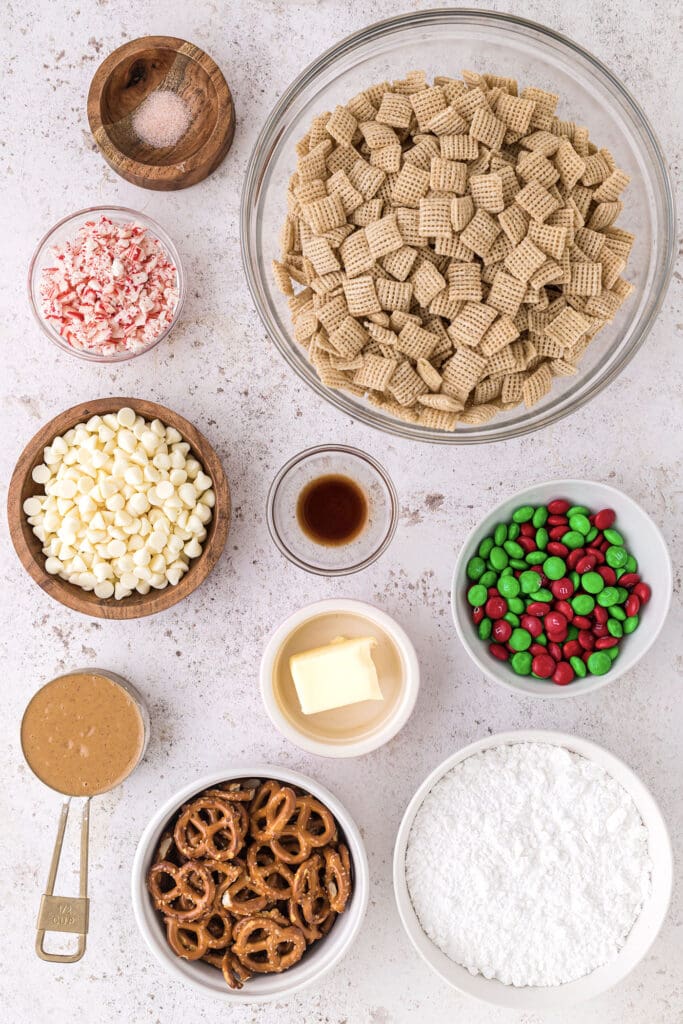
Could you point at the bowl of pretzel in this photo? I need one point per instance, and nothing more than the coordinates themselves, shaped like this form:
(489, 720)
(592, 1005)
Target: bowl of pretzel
(251, 883)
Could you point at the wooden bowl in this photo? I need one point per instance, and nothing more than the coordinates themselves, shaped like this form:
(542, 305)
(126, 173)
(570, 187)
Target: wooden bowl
(127, 77)
(29, 548)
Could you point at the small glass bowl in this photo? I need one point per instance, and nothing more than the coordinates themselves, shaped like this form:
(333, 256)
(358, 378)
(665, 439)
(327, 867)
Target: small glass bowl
(65, 230)
(342, 559)
(445, 41)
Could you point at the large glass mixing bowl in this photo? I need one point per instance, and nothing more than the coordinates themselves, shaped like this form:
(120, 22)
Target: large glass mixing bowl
(445, 42)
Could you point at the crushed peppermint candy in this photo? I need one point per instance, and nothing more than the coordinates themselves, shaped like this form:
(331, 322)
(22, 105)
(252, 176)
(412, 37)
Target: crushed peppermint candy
(111, 289)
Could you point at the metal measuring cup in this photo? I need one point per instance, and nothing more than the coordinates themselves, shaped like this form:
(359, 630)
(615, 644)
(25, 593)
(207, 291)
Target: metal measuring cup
(70, 914)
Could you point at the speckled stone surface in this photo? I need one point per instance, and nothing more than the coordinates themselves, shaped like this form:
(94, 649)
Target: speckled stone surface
(197, 664)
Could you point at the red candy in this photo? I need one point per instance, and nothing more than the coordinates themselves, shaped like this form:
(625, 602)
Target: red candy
(582, 622)
(535, 649)
(557, 532)
(608, 574)
(586, 564)
(538, 608)
(555, 651)
(498, 652)
(572, 649)
(564, 608)
(558, 507)
(632, 606)
(555, 622)
(599, 556)
(496, 607)
(600, 629)
(600, 614)
(531, 624)
(605, 642)
(477, 615)
(586, 639)
(629, 579)
(555, 548)
(563, 674)
(526, 544)
(543, 665)
(501, 631)
(493, 592)
(604, 518)
(574, 557)
(557, 521)
(527, 530)
(643, 592)
(562, 589)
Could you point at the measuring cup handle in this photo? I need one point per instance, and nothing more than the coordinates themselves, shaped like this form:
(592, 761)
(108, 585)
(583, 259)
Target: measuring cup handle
(65, 913)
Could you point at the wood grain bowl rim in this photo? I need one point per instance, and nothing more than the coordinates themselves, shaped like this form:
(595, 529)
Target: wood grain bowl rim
(29, 548)
(224, 124)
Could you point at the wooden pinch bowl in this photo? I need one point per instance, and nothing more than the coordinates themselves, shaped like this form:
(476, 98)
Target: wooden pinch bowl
(29, 548)
(127, 77)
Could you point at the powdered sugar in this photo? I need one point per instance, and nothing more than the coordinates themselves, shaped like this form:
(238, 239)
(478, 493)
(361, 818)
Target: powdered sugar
(110, 289)
(529, 864)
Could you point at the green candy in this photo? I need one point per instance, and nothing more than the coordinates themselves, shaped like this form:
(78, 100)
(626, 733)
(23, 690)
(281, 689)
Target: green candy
(541, 639)
(583, 604)
(580, 523)
(616, 557)
(489, 578)
(543, 595)
(476, 567)
(631, 564)
(554, 568)
(521, 663)
(520, 639)
(517, 563)
(498, 558)
(575, 578)
(577, 510)
(579, 666)
(484, 548)
(513, 549)
(572, 632)
(592, 535)
(573, 539)
(615, 628)
(613, 652)
(508, 586)
(477, 595)
(485, 627)
(613, 536)
(516, 605)
(513, 619)
(536, 557)
(630, 624)
(523, 514)
(513, 531)
(599, 662)
(615, 611)
(500, 534)
(507, 571)
(542, 539)
(592, 582)
(530, 582)
(540, 516)
(623, 594)
(608, 597)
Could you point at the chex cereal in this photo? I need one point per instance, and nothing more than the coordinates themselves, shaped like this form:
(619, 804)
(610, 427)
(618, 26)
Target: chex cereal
(450, 248)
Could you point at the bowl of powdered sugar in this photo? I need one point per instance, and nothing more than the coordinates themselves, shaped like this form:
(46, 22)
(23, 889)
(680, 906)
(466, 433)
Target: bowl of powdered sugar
(532, 870)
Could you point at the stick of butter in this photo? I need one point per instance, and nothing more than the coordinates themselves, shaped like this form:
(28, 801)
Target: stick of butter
(338, 674)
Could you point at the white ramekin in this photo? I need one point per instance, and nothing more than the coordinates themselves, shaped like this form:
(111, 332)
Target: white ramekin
(404, 705)
(316, 962)
(643, 539)
(536, 999)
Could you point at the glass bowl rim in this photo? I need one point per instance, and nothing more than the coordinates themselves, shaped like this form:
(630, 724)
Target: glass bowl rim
(303, 456)
(262, 152)
(162, 236)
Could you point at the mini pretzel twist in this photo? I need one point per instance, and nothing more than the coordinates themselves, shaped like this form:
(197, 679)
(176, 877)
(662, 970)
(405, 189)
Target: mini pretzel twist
(265, 947)
(337, 877)
(271, 809)
(309, 891)
(311, 826)
(242, 898)
(234, 972)
(189, 895)
(209, 827)
(269, 875)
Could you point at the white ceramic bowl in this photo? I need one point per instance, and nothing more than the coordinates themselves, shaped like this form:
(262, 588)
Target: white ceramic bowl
(402, 705)
(316, 962)
(534, 999)
(643, 539)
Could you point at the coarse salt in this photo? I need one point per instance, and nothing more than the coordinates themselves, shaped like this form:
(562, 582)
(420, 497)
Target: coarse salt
(529, 864)
(162, 119)
(110, 289)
